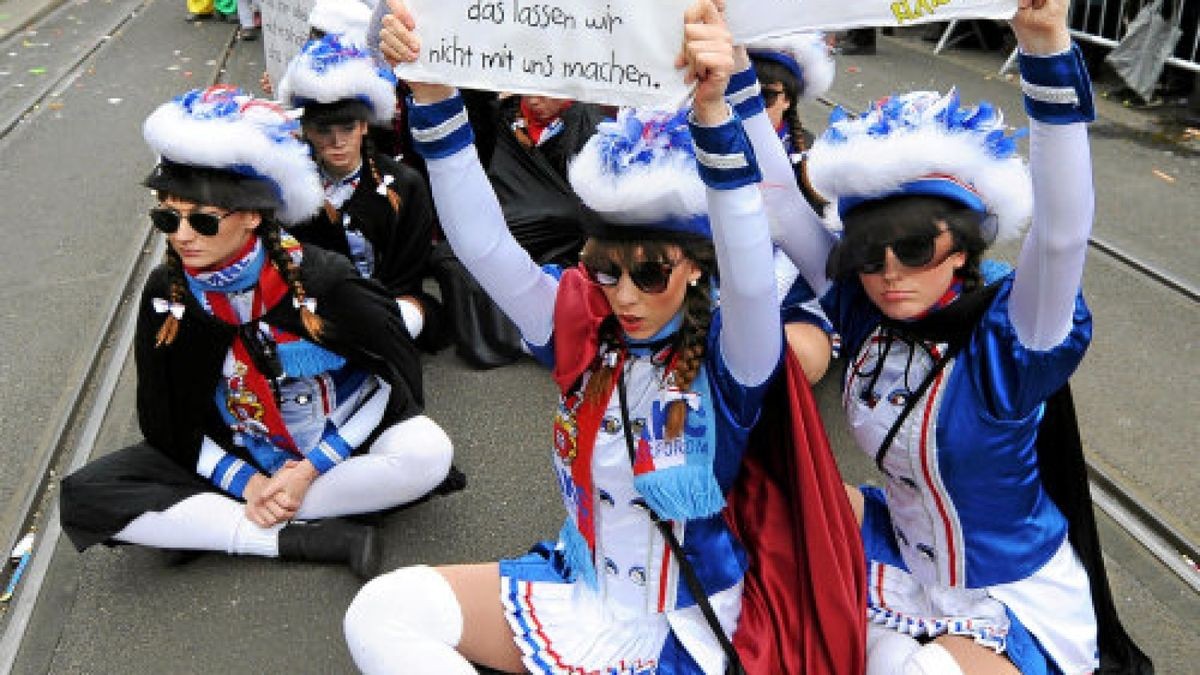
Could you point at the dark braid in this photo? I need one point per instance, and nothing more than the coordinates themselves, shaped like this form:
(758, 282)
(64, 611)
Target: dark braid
(601, 381)
(393, 198)
(270, 232)
(697, 317)
(791, 117)
(178, 287)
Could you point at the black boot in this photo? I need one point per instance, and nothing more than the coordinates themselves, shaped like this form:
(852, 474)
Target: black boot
(332, 541)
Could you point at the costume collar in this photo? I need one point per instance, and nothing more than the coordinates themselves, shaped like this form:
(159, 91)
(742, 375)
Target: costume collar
(349, 179)
(664, 337)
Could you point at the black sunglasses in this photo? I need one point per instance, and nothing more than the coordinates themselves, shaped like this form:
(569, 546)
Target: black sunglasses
(205, 224)
(913, 250)
(770, 94)
(648, 276)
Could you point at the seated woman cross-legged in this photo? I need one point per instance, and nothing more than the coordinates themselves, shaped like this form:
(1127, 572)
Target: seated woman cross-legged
(277, 389)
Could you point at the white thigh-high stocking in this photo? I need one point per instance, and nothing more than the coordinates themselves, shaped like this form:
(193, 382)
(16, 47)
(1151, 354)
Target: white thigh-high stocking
(887, 650)
(407, 621)
(203, 522)
(407, 461)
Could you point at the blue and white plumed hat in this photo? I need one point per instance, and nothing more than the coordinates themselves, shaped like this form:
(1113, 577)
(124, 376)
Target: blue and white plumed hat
(347, 19)
(926, 143)
(638, 174)
(805, 55)
(220, 146)
(330, 71)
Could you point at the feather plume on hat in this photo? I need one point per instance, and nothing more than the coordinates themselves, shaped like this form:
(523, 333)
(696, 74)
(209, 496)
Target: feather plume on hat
(639, 171)
(329, 70)
(926, 143)
(223, 130)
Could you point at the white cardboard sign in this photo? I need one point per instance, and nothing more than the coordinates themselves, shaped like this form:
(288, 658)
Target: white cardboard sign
(285, 30)
(620, 52)
(751, 20)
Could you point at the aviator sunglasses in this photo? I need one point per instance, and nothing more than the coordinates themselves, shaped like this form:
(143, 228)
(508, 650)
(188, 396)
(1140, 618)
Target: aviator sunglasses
(205, 224)
(648, 276)
(914, 250)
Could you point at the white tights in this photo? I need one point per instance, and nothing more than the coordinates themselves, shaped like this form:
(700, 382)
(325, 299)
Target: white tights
(405, 463)
(407, 621)
(892, 653)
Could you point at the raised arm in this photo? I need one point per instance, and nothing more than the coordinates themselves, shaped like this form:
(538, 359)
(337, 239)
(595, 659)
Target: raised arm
(1058, 98)
(466, 204)
(751, 337)
(795, 227)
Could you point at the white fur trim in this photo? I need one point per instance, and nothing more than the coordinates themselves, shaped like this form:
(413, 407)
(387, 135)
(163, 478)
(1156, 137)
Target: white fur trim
(641, 195)
(347, 19)
(866, 165)
(222, 143)
(349, 79)
(811, 53)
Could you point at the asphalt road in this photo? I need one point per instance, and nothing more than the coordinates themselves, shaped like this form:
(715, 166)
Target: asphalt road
(72, 169)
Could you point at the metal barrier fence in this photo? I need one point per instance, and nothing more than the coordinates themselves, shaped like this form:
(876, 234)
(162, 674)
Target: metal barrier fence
(1104, 22)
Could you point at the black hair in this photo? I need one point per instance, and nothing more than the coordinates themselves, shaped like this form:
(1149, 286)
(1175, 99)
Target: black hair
(769, 72)
(883, 220)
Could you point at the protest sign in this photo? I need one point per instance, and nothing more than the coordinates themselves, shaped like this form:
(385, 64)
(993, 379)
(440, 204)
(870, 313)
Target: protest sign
(751, 20)
(619, 52)
(285, 30)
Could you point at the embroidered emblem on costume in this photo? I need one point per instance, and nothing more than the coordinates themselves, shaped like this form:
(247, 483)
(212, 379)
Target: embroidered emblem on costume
(611, 567)
(638, 425)
(243, 404)
(605, 498)
(566, 431)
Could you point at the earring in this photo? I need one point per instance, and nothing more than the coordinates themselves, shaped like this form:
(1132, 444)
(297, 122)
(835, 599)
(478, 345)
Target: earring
(693, 282)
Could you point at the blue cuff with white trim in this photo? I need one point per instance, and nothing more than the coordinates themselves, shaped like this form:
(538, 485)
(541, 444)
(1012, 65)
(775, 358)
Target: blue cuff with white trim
(232, 475)
(331, 451)
(745, 94)
(723, 154)
(440, 129)
(1057, 87)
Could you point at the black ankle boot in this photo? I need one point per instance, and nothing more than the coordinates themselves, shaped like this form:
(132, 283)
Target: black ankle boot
(332, 541)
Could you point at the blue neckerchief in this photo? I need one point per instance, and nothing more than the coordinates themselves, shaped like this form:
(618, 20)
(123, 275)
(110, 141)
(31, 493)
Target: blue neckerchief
(237, 276)
(655, 342)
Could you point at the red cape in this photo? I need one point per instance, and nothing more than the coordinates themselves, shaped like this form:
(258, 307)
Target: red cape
(804, 603)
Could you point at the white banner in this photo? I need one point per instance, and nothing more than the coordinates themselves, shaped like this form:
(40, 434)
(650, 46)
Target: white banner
(756, 19)
(285, 30)
(620, 52)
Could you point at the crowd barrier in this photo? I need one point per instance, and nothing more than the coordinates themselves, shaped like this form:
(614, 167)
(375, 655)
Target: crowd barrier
(1104, 22)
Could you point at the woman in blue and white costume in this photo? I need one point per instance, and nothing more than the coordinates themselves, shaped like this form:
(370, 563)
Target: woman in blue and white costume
(789, 70)
(975, 563)
(607, 597)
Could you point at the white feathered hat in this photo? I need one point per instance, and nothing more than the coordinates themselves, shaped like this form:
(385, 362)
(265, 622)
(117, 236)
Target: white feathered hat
(638, 173)
(926, 143)
(329, 71)
(805, 55)
(221, 146)
(348, 19)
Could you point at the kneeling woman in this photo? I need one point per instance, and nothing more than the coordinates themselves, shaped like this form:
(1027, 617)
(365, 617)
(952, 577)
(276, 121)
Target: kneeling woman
(658, 393)
(274, 384)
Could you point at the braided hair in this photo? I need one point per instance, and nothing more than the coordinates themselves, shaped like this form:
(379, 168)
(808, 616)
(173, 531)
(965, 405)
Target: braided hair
(692, 338)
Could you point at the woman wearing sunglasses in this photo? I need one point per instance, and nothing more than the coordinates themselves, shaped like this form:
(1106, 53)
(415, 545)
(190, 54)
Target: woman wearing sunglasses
(982, 555)
(658, 391)
(275, 385)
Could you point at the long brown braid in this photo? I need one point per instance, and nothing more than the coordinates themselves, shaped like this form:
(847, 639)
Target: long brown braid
(693, 335)
(270, 232)
(393, 197)
(795, 127)
(175, 295)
